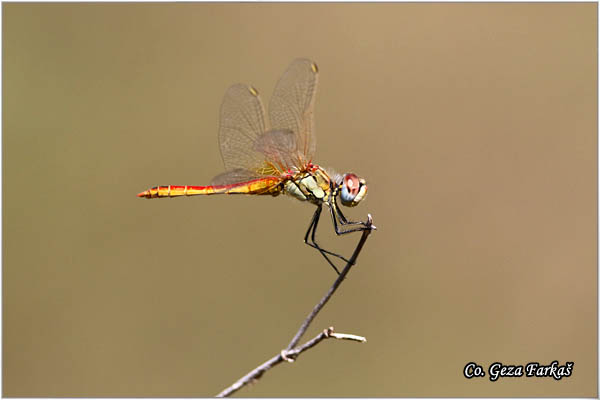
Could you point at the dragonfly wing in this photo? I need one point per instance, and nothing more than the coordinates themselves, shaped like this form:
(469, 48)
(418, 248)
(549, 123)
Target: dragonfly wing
(234, 176)
(292, 104)
(242, 122)
(279, 148)
(248, 147)
(239, 181)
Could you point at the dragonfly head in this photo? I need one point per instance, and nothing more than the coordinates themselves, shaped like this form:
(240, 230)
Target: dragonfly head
(352, 190)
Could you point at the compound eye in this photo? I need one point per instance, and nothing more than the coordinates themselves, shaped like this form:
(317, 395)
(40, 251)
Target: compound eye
(351, 186)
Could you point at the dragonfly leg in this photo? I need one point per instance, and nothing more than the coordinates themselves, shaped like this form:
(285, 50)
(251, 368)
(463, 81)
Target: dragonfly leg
(311, 232)
(343, 222)
(314, 232)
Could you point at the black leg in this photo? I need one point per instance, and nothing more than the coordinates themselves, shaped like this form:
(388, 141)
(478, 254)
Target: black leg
(311, 232)
(343, 220)
(314, 232)
(337, 213)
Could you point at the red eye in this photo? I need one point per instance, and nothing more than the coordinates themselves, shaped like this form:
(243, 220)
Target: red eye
(352, 184)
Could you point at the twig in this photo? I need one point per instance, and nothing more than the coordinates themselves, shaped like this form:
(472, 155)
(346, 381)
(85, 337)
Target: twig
(289, 356)
(291, 352)
(334, 287)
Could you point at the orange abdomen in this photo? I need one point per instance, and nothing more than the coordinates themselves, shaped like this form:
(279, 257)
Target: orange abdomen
(258, 186)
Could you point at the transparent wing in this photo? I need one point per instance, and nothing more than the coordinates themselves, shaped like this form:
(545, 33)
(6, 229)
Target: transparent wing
(279, 149)
(233, 183)
(234, 176)
(276, 151)
(292, 104)
(248, 148)
(242, 122)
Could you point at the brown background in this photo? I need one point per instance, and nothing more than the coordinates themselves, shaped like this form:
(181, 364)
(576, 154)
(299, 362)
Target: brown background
(474, 124)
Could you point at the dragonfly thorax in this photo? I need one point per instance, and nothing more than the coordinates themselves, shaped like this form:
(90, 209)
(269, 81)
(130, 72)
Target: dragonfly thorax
(311, 186)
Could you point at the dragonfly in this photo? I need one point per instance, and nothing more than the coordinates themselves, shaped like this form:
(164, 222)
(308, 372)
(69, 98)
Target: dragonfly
(273, 156)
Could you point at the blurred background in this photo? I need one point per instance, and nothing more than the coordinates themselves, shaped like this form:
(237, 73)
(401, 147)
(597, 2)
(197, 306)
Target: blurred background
(474, 124)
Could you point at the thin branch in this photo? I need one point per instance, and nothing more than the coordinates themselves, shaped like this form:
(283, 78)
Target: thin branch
(335, 285)
(291, 352)
(289, 356)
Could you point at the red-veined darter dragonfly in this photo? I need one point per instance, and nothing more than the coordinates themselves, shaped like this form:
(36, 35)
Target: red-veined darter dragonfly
(271, 156)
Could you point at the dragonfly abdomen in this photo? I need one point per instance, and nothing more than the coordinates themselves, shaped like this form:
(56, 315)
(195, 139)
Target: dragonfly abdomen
(176, 191)
(258, 186)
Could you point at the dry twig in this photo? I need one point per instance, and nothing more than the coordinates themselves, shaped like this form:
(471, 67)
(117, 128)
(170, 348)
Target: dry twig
(291, 352)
